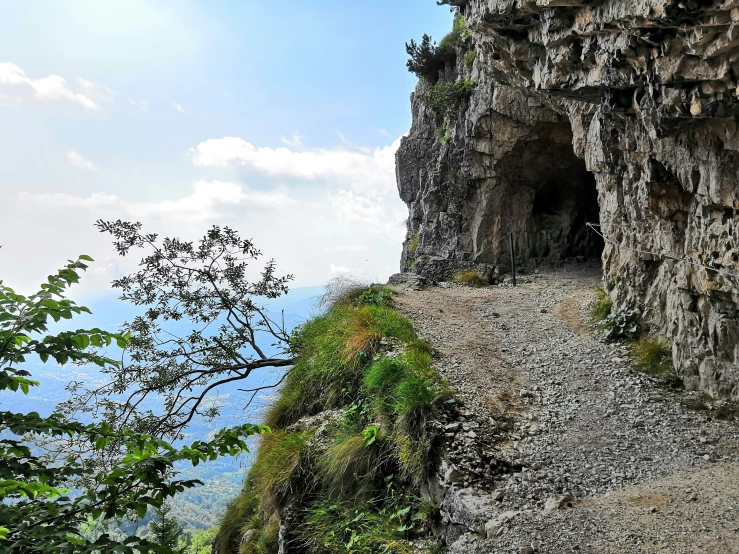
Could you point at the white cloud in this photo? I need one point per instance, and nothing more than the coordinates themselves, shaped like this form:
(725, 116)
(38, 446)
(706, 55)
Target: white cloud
(370, 171)
(343, 139)
(16, 88)
(384, 132)
(347, 248)
(140, 104)
(178, 107)
(379, 216)
(209, 200)
(295, 141)
(99, 93)
(78, 161)
(318, 212)
(336, 269)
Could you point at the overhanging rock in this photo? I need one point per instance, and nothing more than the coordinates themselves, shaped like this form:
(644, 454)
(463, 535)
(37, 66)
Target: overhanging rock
(618, 112)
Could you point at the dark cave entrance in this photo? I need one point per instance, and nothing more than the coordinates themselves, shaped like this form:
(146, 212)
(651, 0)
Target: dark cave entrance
(539, 191)
(563, 203)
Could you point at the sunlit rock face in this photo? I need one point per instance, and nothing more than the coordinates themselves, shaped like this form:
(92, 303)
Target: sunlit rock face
(618, 112)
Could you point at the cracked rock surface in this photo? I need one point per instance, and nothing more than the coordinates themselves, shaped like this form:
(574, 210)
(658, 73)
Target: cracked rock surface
(618, 112)
(561, 445)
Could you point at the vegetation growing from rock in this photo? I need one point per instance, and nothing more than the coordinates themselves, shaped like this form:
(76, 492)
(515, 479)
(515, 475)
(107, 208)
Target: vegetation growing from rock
(352, 438)
(653, 356)
(470, 278)
(623, 324)
(602, 307)
(444, 99)
(413, 246)
(427, 59)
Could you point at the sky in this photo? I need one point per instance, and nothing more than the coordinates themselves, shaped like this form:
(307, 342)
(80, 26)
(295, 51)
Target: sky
(278, 119)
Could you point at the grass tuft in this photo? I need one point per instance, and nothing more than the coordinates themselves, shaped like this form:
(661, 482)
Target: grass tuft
(278, 465)
(470, 278)
(352, 466)
(362, 336)
(367, 528)
(602, 307)
(653, 356)
(239, 517)
(413, 246)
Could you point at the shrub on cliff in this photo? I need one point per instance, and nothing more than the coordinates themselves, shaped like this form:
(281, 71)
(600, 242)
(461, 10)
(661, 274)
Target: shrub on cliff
(427, 59)
(444, 99)
(38, 512)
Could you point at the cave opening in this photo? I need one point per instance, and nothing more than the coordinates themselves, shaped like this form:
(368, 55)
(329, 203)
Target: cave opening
(564, 202)
(540, 193)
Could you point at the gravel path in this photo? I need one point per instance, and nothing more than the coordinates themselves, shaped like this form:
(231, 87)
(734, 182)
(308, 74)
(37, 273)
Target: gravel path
(575, 451)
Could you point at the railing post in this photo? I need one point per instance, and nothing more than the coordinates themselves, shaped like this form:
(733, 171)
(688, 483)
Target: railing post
(513, 258)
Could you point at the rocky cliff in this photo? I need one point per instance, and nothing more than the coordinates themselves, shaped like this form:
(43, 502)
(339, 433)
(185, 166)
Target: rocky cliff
(621, 113)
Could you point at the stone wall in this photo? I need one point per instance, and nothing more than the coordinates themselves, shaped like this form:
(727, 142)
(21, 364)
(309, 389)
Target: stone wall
(617, 111)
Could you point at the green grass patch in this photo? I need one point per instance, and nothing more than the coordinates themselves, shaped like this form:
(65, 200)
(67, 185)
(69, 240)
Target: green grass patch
(413, 246)
(354, 481)
(602, 307)
(280, 459)
(377, 525)
(470, 278)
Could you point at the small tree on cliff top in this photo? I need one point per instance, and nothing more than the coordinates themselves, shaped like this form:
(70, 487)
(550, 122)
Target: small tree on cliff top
(202, 289)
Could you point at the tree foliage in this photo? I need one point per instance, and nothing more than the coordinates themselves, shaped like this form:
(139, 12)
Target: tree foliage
(427, 59)
(165, 529)
(47, 505)
(201, 327)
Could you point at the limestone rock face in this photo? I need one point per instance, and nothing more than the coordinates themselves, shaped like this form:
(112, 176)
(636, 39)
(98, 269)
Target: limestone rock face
(617, 112)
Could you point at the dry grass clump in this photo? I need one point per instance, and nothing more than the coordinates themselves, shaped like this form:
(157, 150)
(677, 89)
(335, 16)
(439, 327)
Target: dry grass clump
(653, 356)
(470, 278)
(342, 289)
(362, 335)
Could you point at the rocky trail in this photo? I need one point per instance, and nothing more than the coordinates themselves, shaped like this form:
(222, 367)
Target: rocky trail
(561, 445)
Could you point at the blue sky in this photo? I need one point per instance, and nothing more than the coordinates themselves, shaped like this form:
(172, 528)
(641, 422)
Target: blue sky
(279, 119)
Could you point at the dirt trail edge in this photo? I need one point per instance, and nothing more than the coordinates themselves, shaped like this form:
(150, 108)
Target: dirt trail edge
(598, 458)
